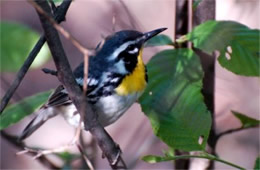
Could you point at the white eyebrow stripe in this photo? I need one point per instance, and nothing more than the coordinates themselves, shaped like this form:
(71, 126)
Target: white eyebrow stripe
(119, 50)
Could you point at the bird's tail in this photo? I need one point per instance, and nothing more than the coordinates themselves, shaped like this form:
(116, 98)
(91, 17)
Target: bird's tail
(43, 115)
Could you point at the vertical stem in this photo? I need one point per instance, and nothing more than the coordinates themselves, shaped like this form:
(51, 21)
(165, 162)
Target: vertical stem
(190, 19)
(174, 20)
(181, 29)
(206, 11)
(187, 18)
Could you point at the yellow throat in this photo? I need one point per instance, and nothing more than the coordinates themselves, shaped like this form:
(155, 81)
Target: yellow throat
(134, 82)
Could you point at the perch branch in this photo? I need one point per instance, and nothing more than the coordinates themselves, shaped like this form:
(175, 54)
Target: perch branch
(65, 75)
(59, 17)
(82, 49)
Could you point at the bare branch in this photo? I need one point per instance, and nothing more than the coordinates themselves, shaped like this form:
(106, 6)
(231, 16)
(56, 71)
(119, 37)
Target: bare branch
(59, 17)
(82, 49)
(65, 75)
(48, 71)
(232, 131)
(20, 75)
(190, 19)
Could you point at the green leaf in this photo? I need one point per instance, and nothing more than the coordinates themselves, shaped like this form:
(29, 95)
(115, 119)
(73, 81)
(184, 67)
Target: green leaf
(17, 41)
(245, 120)
(257, 163)
(159, 40)
(238, 45)
(68, 157)
(169, 152)
(173, 101)
(16, 112)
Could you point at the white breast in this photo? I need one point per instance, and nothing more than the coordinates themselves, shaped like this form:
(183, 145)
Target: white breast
(109, 109)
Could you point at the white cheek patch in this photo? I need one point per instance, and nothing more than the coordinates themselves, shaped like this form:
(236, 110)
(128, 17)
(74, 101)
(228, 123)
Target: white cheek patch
(134, 51)
(120, 67)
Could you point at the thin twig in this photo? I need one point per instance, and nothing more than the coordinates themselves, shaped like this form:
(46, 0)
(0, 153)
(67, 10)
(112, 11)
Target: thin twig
(174, 21)
(209, 157)
(65, 33)
(59, 16)
(85, 84)
(39, 152)
(14, 141)
(232, 131)
(6, 83)
(85, 157)
(20, 75)
(48, 71)
(190, 19)
(80, 47)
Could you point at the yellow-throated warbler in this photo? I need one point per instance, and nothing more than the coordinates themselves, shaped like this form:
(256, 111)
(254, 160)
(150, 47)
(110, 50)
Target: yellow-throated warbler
(116, 78)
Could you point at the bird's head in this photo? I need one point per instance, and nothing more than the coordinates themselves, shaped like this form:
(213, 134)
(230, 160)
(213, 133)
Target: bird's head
(124, 49)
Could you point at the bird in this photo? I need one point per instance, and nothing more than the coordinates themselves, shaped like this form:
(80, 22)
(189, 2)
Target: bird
(117, 77)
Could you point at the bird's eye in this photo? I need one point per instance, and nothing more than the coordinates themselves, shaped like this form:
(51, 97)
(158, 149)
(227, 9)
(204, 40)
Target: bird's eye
(131, 49)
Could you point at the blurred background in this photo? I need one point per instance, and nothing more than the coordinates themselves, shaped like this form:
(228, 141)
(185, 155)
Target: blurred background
(89, 21)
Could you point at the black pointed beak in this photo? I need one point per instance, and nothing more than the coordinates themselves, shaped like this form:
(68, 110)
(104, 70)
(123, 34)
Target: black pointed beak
(148, 35)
